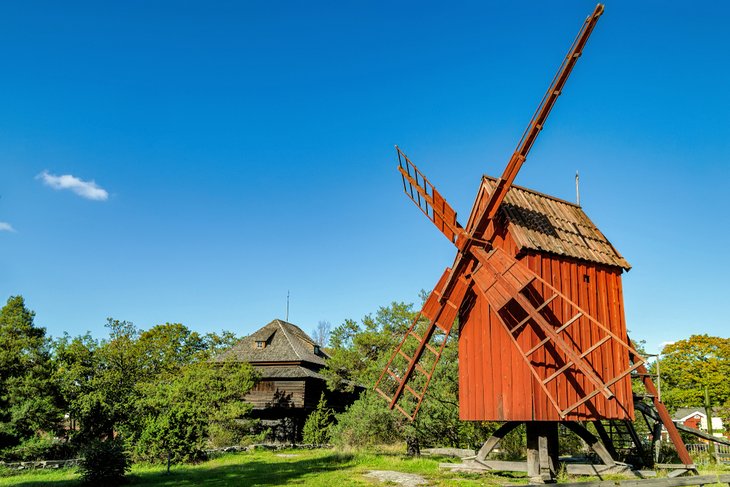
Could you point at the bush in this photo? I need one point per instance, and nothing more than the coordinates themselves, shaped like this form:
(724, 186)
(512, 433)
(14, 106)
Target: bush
(40, 447)
(104, 462)
(367, 422)
(316, 429)
(178, 433)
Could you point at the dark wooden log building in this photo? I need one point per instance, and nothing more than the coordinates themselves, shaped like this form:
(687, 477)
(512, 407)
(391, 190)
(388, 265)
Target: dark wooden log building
(289, 363)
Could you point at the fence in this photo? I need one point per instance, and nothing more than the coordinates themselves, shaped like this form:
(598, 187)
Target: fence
(722, 452)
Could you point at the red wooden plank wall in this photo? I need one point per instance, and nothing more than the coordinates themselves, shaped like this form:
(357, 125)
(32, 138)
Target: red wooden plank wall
(495, 383)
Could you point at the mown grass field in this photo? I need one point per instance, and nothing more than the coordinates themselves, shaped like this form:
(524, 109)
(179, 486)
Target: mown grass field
(266, 468)
(314, 468)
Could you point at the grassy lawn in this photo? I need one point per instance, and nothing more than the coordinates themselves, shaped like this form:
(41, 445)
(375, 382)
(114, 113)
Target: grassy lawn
(265, 468)
(289, 467)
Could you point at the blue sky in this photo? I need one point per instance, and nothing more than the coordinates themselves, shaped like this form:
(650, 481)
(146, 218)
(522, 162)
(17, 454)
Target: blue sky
(243, 150)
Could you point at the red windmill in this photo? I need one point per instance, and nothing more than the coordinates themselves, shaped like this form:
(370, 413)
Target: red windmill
(536, 288)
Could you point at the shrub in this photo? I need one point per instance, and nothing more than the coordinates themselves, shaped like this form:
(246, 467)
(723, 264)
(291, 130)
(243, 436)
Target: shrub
(316, 429)
(104, 462)
(40, 447)
(367, 422)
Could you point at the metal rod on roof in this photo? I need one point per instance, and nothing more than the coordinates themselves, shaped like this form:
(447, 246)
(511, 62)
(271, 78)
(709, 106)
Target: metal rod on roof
(287, 306)
(577, 189)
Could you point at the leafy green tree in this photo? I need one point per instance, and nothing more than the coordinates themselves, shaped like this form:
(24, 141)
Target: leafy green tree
(691, 365)
(178, 415)
(29, 400)
(164, 349)
(316, 430)
(104, 462)
(358, 352)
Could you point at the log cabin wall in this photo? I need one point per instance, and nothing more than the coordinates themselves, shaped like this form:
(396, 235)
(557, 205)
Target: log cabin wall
(496, 383)
(277, 394)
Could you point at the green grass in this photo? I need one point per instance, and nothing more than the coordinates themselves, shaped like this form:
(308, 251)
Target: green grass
(309, 468)
(264, 468)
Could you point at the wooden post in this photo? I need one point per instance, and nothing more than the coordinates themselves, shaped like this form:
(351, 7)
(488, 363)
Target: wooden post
(708, 412)
(533, 452)
(542, 451)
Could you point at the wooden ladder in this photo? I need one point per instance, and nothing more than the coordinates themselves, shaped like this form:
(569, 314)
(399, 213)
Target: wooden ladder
(504, 280)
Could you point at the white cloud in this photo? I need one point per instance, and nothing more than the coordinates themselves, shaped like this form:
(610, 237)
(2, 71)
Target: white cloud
(6, 227)
(86, 189)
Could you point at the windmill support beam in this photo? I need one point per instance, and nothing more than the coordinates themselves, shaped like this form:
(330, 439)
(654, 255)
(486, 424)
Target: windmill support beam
(593, 442)
(603, 435)
(542, 451)
(494, 440)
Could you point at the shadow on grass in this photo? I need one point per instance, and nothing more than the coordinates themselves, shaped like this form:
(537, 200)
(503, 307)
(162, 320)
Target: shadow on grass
(253, 472)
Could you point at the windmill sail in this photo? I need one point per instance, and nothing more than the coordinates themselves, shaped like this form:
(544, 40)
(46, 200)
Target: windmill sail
(405, 379)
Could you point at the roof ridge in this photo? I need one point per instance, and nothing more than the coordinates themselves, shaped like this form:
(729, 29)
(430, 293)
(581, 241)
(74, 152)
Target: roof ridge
(286, 334)
(522, 188)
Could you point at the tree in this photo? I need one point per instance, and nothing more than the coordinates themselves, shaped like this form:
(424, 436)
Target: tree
(29, 400)
(316, 430)
(164, 349)
(358, 352)
(99, 380)
(104, 462)
(321, 334)
(178, 415)
(689, 366)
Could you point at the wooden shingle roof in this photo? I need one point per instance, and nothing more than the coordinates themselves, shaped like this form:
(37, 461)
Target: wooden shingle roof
(542, 223)
(282, 342)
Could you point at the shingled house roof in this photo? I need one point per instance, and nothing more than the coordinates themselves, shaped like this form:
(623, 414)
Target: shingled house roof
(277, 342)
(543, 223)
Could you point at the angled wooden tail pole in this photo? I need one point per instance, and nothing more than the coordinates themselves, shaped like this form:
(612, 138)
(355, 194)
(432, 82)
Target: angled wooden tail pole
(538, 122)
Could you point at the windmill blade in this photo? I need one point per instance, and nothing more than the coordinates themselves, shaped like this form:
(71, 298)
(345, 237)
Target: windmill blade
(405, 379)
(537, 123)
(428, 199)
(506, 283)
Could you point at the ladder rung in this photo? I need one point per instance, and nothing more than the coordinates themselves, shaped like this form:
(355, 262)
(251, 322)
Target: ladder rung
(600, 389)
(403, 411)
(557, 372)
(419, 367)
(538, 309)
(416, 335)
(569, 322)
(422, 370)
(410, 389)
(420, 340)
(394, 375)
(558, 330)
(583, 355)
(387, 398)
(536, 347)
(595, 346)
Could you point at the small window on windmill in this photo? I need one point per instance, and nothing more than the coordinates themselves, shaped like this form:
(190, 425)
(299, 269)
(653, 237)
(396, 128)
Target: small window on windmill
(586, 278)
(316, 349)
(260, 344)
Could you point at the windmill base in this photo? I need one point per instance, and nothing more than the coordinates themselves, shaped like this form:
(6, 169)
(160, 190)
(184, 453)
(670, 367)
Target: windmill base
(542, 452)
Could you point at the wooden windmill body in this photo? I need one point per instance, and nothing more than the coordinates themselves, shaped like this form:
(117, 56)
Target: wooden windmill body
(518, 376)
(536, 291)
